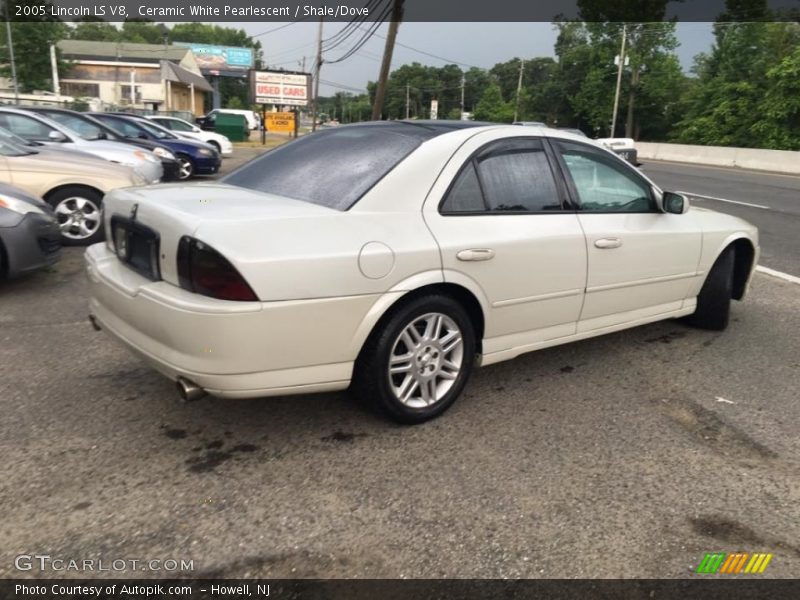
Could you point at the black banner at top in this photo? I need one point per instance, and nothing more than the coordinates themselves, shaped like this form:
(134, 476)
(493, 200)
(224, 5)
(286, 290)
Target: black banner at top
(214, 11)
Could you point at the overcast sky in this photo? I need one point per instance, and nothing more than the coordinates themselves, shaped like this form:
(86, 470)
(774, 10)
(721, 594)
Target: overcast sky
(471, 44)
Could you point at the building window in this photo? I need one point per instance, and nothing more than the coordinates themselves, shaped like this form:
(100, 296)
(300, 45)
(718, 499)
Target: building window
(125, 93)
(80, 90)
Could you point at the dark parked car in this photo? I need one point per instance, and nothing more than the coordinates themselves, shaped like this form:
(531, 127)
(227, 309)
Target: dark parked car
(30, 237)
(90, 128)
(194, 158)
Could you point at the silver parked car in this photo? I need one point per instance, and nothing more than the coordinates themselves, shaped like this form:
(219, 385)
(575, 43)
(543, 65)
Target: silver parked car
(36, 128)
(30, 237)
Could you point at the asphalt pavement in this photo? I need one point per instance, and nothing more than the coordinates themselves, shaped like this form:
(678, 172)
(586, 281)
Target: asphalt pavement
(628, 455)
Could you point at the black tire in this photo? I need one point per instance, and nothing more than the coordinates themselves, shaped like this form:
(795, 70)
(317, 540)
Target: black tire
(185, 167)
(84, 200)
(714, 301)
(373, 384)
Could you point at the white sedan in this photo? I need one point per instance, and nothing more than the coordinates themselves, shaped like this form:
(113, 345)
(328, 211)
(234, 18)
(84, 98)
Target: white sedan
(395, 256)
(188, 131)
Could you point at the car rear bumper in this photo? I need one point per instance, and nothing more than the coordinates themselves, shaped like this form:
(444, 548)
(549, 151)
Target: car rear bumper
(34, 243)
(230, 349)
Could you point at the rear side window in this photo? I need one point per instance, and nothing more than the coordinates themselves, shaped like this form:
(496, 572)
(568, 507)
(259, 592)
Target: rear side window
(332, 168)
(506, 176)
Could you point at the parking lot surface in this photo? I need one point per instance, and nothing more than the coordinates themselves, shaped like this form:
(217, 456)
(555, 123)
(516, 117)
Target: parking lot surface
(628, 455)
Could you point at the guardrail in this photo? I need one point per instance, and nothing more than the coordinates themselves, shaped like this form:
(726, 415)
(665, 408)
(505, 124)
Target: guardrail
(774, 161)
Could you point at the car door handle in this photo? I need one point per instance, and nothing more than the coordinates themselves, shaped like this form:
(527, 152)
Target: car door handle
(607, 243)
(476, 254)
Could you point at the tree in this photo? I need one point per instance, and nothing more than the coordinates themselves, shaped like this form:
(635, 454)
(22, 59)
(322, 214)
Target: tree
(779, 126)
(492, 107)
(32, 41)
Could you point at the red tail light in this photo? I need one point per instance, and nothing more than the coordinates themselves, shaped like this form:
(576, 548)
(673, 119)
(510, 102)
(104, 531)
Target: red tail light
(203, 270)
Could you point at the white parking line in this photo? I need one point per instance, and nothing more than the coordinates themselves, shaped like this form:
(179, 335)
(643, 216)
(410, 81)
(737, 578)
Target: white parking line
(702, 197)
(778, 274)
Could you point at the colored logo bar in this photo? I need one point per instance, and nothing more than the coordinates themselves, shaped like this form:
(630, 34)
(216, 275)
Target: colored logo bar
(734, 563)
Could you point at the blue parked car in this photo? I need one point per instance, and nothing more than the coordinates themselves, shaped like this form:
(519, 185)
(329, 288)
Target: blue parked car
(194, 158)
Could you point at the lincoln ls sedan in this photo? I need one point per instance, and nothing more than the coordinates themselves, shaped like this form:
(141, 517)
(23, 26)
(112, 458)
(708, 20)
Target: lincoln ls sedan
(392, 258)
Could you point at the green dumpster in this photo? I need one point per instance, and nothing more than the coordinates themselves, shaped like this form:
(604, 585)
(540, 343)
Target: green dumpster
(233, 127)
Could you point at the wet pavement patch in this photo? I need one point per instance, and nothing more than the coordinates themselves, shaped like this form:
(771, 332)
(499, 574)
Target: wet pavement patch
(667, 338)
(215, 456)
(174, 434)
(342, 436)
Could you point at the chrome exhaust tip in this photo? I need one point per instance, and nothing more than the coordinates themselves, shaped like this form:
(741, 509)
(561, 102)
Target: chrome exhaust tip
(93, 321)
(188, 390)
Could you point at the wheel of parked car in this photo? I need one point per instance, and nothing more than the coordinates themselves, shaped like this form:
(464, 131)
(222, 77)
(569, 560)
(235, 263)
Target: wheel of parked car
(216, 145)
(79, 216)
(714, 300)
(416, 363)
(186, 167)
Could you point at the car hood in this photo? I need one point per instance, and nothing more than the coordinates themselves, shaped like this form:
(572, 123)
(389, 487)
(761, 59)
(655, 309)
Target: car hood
(73, 163)
(117, 151)
(185, 144)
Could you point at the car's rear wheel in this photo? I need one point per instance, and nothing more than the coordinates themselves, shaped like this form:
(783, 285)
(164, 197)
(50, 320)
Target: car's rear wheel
(714, 301)
(185, 167)
(416, 364)
(78, 210)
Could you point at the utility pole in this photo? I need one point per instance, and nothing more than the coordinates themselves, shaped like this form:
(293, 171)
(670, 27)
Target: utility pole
(316, 78)
(619, 80)
(519, 87)
(54, 68)
(463, 80)
(408, 89)
(11, 57)
(380, 92)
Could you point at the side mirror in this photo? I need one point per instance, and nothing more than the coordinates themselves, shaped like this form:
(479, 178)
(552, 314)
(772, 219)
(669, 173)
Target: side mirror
(676, 204)
(56, 136)
(196, 130)
(142, 136)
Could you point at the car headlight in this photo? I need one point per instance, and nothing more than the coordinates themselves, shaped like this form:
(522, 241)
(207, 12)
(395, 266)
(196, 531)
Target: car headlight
(19, 206)
(205, 152)
(163, 153)
(146, 156)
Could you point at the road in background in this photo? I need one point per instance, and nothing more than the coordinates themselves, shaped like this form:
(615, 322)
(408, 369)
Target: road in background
(778, 222)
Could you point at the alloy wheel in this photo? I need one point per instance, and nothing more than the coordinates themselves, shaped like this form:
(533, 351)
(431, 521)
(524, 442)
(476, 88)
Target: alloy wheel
(425, 360)
(79, 218)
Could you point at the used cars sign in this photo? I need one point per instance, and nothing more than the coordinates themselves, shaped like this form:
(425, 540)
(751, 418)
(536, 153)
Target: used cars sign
(283, 89)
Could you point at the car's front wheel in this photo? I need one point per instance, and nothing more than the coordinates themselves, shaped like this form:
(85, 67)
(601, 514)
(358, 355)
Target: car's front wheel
(79, 216)
(417, 363)
(714, 301)
(185, 167)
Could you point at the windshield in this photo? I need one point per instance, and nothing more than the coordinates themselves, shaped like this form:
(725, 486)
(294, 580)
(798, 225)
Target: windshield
(178, 125)
(83, 127)
(155, 130)
(8, 148)
(332, 168)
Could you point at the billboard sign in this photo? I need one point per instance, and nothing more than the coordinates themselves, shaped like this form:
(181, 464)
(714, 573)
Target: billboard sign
(283, 89)
(220, 58)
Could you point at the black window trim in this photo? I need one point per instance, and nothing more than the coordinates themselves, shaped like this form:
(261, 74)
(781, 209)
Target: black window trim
(563, 194)
(575, 200)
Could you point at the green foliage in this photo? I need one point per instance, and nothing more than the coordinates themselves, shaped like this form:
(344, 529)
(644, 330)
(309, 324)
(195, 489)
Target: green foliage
(32, 41)
(492, 107)
(746, 89)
